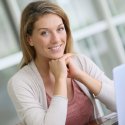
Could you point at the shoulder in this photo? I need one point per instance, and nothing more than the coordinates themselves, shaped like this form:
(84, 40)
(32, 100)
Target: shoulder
(85, 62)
(82, 58)
(25, 73)
(22, 74)
(22, 79)
(87, 65)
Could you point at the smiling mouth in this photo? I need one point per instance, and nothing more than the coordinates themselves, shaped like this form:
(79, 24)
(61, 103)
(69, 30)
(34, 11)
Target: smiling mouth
(55, 48)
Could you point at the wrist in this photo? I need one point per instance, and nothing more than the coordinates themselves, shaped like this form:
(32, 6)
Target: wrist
(60, 80)
(60, 87)
(80, 76)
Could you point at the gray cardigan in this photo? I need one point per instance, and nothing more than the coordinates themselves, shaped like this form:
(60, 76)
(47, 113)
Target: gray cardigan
(27, 91)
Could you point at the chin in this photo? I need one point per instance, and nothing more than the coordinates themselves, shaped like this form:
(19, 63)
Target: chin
(57, 56)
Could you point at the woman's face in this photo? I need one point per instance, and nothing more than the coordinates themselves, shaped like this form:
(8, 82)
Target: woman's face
(48, 37)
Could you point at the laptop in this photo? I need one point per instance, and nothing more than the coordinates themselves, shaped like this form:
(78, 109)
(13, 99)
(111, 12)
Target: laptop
(110, 119)
(119, 81)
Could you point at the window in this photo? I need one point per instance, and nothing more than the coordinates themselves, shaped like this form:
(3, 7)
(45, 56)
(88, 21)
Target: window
(121, 31)
(99, 48)
(22, 3)
(81, 13)
(8, 43)
(116, 6)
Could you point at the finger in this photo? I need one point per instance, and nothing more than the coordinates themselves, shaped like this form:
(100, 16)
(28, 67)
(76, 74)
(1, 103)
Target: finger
(65, 56)
(68, 60)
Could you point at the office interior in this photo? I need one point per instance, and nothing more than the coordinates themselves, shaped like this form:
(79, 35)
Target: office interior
(98, 28)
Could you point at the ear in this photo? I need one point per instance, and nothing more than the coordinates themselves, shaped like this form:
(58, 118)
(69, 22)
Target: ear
(29, 40)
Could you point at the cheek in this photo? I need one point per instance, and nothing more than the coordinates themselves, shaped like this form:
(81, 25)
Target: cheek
(41, 42)
(65, 37)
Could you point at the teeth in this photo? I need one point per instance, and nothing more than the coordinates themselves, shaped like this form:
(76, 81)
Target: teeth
(55, 48)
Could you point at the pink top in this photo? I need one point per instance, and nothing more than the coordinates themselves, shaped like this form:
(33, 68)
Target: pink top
(80, 108)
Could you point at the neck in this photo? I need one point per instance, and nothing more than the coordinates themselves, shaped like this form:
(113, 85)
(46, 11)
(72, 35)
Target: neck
(47, 76)
(42, 66)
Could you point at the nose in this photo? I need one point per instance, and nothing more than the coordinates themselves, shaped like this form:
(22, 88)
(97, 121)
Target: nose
(55, 37)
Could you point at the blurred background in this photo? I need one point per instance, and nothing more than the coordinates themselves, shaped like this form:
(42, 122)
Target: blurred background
(98, 28)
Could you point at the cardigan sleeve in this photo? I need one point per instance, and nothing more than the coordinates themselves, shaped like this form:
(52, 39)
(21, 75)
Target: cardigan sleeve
(30, 110)
(107, 92)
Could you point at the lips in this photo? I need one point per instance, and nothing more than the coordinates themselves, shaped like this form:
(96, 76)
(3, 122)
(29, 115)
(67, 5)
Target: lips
(55, 48)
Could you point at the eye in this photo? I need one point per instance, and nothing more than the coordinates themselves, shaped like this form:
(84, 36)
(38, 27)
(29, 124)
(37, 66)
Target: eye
(44, 33)
(61, 29)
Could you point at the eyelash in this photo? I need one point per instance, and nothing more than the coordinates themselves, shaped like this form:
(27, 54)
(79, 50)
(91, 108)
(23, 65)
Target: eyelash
(45, 33)
(61, 29)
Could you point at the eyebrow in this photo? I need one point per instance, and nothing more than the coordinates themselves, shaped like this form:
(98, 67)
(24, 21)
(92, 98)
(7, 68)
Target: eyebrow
(47, 28)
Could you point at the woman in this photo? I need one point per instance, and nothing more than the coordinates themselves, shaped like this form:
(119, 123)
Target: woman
(54, 86)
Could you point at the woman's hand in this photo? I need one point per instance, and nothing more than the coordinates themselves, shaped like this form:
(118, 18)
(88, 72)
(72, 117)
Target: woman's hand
(73, 70)
(58, 67)
(65, 67)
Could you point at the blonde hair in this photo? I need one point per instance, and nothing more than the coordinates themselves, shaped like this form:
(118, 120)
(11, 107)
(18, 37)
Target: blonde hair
(29, 16)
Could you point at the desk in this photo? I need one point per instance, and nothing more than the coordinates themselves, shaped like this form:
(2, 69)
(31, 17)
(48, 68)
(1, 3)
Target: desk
(110, 119)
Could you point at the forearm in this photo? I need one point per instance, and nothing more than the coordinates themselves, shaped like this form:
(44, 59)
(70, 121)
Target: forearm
(57, 112)
(60, 87)
(92, 84)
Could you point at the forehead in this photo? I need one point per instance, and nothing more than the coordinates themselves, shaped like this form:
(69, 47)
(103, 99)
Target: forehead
(48, 20)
